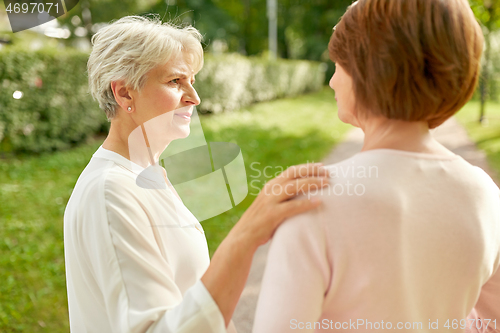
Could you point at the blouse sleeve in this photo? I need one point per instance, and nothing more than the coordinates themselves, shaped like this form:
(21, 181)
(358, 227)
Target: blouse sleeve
(135, 280)
(296, 276)
(485, 317)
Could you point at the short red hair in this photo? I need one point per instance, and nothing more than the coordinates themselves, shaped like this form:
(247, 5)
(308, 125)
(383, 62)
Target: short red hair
(413, 60)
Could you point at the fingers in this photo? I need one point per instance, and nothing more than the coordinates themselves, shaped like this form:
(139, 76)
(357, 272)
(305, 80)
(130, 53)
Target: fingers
(296, 179)
(285, 191)
(272, 207)
(302, 170)
(294, 207)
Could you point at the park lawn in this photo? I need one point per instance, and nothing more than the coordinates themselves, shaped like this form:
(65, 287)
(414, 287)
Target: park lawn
(34, 191)
(486, 137)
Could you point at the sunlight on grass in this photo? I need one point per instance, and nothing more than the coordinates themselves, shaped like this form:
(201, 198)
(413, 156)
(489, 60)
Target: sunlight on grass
(34, 191)
(273, 136)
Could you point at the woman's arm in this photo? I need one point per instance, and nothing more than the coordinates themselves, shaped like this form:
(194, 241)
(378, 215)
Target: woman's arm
(485, 316)
(114, 265)
(296, 278)
(226, 276)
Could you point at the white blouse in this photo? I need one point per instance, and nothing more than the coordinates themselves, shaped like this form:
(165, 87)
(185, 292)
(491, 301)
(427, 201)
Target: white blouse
(134, 255)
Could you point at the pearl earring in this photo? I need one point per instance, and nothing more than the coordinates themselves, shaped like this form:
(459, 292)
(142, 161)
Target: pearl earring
(129, 108)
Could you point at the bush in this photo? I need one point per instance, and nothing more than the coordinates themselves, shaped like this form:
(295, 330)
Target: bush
(232, 81)
(57, 111)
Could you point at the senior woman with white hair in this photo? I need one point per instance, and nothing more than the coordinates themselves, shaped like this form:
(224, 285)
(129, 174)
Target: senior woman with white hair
(124, 272)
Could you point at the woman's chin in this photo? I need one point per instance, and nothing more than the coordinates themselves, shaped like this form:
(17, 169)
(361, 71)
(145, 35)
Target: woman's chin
(183, 133)
(186, 134)
(343, 118)
(348, 119)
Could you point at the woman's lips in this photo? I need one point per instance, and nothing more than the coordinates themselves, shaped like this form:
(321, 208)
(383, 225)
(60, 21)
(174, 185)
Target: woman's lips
(185, 115)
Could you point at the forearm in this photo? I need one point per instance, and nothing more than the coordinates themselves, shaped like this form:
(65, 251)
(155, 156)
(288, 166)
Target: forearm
(227, 274)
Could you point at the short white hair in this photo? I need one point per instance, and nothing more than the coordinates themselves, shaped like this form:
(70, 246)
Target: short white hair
(130, 47)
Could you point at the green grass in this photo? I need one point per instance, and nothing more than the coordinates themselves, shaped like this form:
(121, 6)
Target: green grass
(486, 137)
(33, 194)
(35, 189)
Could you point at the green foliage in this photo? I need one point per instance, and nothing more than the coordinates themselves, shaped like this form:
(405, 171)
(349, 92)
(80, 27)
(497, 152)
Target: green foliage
(213, 21)
(101, 11)
(485, 135)
(229, 82)
(304, 27)
(487, 13)
(34, 190)
(492, 67)
(55, 110)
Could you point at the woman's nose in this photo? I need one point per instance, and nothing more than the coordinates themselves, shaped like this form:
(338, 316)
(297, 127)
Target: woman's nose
(191, 96)
(331, 83)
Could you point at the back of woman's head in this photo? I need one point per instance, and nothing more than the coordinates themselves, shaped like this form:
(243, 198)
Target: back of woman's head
(130, 47)
(413, 60)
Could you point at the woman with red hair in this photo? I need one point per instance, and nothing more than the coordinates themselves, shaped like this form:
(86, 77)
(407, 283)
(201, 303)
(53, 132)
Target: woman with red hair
(408, 237)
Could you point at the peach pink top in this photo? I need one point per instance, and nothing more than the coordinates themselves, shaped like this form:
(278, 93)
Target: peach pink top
(402, 242)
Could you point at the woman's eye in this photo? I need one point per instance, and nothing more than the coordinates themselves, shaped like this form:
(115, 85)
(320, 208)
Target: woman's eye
(175, 81)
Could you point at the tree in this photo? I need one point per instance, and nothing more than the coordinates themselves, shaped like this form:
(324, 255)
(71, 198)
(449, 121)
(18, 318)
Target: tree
(90, 12)
(488, 14)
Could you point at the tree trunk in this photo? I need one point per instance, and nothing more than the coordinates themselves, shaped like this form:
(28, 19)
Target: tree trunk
(246, 28)
(87, 18)
(485, 77)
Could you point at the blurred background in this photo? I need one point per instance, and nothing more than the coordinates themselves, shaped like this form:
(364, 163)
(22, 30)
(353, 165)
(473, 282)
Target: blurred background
(270, 96)
(303, 27)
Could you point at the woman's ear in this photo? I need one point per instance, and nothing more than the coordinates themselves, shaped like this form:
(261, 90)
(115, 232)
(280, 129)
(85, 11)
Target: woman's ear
(122, 94)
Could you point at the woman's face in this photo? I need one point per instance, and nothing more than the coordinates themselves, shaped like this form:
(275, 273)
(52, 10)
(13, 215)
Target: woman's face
(167, 99)
(341, 83)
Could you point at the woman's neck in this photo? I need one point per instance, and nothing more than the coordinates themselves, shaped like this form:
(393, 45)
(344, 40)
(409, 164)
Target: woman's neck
(122, 134)
(383, 133)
